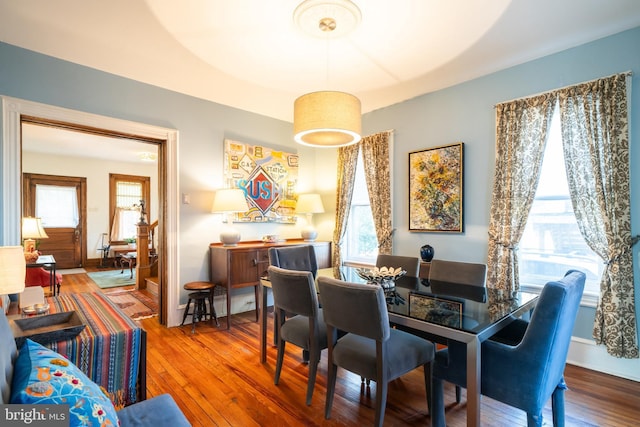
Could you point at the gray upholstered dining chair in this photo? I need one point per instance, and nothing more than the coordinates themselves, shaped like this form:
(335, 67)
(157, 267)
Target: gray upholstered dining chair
(523, 366)
(300, 258)
(410, 264)
(299, 320)
(463, 273)
(370, 348)
(442, 272)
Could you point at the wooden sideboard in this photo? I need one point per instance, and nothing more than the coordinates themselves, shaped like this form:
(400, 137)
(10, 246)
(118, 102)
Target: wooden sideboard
(243, 265)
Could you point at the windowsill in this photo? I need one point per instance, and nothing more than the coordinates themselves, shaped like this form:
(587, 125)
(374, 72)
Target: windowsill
(588, 299)
(359, 264)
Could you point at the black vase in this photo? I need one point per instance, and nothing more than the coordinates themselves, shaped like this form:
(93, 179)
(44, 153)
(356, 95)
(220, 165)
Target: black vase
(426, 253)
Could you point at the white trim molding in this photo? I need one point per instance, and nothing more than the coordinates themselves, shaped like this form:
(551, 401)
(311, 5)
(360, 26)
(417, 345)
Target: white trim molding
(12, 111)
(587, 354)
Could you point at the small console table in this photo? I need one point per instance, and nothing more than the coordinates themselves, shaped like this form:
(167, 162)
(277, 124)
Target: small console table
(241, 266)
(49, 263)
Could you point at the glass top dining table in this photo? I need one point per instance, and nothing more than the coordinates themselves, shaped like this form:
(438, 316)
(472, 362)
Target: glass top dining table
(448, 311)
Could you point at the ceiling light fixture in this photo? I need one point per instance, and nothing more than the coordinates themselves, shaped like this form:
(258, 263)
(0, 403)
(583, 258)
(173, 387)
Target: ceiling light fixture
(327, 118)
(148, 157)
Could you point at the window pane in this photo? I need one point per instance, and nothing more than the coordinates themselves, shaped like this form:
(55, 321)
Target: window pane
(552, 243)
(361, 243)
(128, 194)
(128, 220)
(57, 206)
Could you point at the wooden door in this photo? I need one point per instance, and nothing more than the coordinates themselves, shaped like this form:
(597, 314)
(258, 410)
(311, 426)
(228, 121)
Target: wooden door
(67, 240)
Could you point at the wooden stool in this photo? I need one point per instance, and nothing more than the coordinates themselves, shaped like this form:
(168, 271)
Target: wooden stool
(202, 291)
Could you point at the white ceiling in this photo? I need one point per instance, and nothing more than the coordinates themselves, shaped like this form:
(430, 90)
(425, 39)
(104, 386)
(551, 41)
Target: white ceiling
(248, 54)
(62, 142)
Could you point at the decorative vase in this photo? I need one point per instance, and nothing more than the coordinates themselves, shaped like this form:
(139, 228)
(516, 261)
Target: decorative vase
(426, 253)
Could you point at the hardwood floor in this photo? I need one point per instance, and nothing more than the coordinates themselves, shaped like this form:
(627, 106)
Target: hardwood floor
(217, 380)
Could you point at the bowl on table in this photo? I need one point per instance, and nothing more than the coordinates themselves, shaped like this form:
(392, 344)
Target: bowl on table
(383, 276)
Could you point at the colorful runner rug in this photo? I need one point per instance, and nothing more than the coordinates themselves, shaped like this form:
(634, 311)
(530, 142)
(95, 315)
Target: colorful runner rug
(134, 303)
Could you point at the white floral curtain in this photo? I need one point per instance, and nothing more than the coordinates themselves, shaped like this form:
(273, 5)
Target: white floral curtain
(376, 157)
(521, 133)
(595, 137)
(347, 159)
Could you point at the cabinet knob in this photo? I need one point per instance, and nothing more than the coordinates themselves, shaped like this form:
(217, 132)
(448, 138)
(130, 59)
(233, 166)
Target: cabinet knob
(255, 262)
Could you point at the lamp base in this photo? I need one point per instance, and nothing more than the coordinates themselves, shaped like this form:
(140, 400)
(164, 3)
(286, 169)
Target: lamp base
(230, 237)
(309, 234)
(29, 245)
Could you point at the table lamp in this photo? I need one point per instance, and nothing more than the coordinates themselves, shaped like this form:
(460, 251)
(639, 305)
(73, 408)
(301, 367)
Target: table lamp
(31, 231)
(12, 270)
(229, 201)
(309, 204)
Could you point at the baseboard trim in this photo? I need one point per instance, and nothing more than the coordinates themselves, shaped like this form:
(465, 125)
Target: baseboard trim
(587, 354)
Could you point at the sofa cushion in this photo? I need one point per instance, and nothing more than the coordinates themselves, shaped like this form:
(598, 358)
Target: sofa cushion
(42, 376)
(160, 411)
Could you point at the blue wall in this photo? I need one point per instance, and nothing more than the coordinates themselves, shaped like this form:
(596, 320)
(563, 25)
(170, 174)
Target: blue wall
(461, 113)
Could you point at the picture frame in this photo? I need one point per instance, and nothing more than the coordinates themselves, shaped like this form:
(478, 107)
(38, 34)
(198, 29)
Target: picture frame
(267, 176)
(436, 310)
(436, 189)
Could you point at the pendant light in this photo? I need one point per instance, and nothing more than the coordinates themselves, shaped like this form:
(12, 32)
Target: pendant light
(327, 118)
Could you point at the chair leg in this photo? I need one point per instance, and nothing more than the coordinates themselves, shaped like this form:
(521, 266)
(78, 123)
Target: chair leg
(557, 406)
(279, 359)
(212, 308)
(458, 390)
(427, 385)
(332, 373)
(437, 403)
(534, 420)
(186, 312)
(381, 401)
(313, 369)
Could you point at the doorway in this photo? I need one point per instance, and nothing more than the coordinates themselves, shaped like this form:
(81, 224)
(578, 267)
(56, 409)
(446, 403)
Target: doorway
(15, 111)
(61, 203)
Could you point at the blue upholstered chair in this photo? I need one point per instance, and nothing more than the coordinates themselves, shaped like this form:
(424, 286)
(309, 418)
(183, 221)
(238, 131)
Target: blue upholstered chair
(370, 348)
(300, 258)
(523, 366)
(298, 318)
(410, 264)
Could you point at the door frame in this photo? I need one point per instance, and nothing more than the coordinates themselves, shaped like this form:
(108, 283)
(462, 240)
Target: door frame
(14, 110)
(31, 180)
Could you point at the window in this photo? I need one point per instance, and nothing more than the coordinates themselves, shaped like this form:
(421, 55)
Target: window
(361, 243)
(552, 243)
(126, 191)
(57, 206)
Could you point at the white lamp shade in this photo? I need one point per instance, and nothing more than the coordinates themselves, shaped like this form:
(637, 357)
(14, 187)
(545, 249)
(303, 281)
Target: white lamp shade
(12, 270)
(309, 203)
(32, 228)
(327, 119)
(229, 200)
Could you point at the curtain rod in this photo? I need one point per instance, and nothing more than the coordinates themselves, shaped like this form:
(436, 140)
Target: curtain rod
(625, 73)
